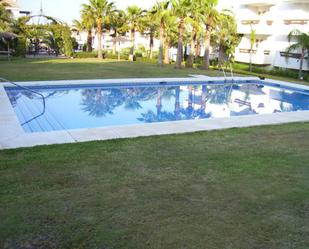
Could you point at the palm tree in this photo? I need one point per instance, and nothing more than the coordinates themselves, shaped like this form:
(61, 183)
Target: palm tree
(161, 13)
(171, 36)
(252, 42)
(301, 42)
(134, 14)
(88, 23)
(149, 27)
(181, 9)
(118, 22)
(195, 21)
(210, 18)
(100, 10)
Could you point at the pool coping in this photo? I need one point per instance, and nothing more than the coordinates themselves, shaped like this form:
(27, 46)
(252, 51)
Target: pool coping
(13, 136)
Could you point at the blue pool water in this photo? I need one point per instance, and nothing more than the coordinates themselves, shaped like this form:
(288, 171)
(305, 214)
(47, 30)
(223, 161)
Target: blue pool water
(88, 106)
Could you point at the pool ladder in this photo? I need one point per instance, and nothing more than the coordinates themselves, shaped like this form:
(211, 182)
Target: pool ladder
(3, 80)
(231, 72)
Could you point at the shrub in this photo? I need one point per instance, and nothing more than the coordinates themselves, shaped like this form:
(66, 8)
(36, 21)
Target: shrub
(21, 47)
(83, 55)
(115, 56)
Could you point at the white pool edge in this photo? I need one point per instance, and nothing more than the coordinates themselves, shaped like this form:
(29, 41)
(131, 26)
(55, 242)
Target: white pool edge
(13, 136)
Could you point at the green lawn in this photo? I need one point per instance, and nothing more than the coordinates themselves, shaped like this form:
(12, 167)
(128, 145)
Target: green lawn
(230, 189)
(237, 188)
(61, 69)
(70, 69)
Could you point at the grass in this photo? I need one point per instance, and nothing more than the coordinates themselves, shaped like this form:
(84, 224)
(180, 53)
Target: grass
(237, 188)
(70, 69)
(62, 69)
(288, 79)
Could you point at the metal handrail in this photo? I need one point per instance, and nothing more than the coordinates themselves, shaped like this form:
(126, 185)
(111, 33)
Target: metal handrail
(231, 69)
(225, 79)
(30, 90)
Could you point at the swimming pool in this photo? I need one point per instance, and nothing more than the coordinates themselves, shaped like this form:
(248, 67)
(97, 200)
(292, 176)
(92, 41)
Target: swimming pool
(69, 107)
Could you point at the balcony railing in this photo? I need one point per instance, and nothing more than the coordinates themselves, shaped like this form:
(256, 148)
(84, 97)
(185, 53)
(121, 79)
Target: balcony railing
(258, 56)
(247, 51)
(296, 21)
(290, 55)
(249, 22)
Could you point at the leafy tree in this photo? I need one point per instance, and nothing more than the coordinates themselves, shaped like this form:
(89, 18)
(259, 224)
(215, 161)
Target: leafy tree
(5, 17)
(225, 36)
(300, 42)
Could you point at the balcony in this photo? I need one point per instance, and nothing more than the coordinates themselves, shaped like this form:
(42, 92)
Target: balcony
(259, 56)
(261, 28)
(259, 3)
(296, 21)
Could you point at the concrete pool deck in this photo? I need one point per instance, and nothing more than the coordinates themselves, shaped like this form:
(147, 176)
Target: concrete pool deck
(13, 136)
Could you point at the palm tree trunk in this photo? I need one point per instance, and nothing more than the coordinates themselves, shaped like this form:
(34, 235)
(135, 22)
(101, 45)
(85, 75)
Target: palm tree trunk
(198, 49)
(119, 51)
(99, 29)
(115, 43)
(160, 59)
(131, 57)
(151, 46)
(190, 60)
(166, 52)
(207, 47)
(221, 56)
(181, 30)
(89, 41)
(300, 73)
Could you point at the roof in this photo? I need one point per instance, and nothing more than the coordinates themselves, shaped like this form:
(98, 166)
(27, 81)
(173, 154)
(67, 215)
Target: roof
(8, 35)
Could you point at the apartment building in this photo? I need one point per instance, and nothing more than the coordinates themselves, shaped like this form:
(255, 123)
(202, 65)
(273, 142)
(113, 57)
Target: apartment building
(141, 40)
(15, 9)
(272, 22)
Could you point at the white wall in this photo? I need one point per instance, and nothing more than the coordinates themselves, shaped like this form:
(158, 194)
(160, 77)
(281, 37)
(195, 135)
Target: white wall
(271, 29)
(107, 43)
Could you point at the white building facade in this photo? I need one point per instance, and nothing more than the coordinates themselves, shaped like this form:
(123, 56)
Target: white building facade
(15, 9)
(141, 40)
(272, 22)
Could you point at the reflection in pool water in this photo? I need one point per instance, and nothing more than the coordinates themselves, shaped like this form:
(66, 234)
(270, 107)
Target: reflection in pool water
(100, 106)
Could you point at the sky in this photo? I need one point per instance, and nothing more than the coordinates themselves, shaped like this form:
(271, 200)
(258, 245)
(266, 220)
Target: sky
(67, 10)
